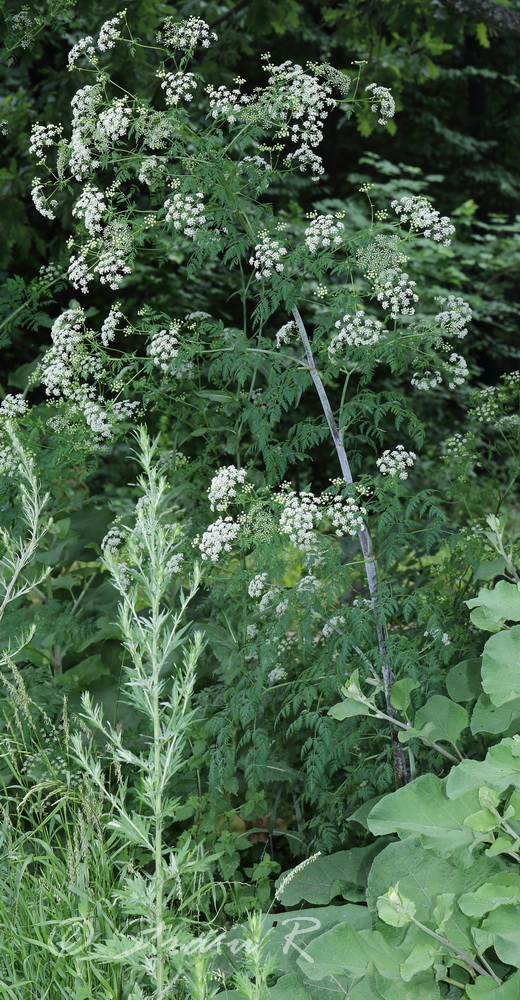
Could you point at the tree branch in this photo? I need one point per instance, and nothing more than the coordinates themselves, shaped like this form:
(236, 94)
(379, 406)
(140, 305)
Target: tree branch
(494, 14)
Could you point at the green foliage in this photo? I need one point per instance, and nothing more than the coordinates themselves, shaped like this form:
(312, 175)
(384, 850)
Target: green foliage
(272, 336)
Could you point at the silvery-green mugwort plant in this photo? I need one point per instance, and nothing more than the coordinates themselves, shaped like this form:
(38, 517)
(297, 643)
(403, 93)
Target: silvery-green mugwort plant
(159, 674)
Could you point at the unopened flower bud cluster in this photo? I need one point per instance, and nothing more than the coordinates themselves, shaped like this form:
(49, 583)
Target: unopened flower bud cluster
(359, 330)
(423, 218)
(223, 488)
(113, 541)
(396, 462)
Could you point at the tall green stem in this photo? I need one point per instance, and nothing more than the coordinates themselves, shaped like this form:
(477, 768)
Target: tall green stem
(365, 542)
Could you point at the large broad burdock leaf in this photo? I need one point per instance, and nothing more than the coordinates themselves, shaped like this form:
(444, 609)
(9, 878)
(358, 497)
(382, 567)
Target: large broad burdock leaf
(492, 608)
(500, 769)
(422, 809)
(501, 666)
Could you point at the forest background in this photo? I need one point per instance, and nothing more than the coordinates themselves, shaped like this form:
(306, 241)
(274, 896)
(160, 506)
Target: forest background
(264, 774)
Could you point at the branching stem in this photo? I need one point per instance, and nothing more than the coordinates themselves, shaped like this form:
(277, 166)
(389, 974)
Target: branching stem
(365, 542)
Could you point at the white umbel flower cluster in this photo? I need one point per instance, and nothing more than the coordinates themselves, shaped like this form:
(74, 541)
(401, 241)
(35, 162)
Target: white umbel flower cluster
(110, 32)
(12, 407)
(423, 218)
(300, 514)
(228, 104)
(108, 327)
(396, 462)
(218, 538)
(356, 331)
(43, 136)
(84, 121)
(151, 171)
(454, 317)
(186, 213)
(258, 585)
(85, 47)
(395, 291)
(426, 380)
(346, 516)
(113, 122)
(385, 103)
(223, 487)
(45, 206)
(285, 333)
(295, 103)
(177, 87)
(275, 675)
(458, 371)
(163, 348)
(303, 512)
(89, 208)
(67, 337)
(186, 34)
(324, 233)
(267, 257)
(302, 103)
(332, 627)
